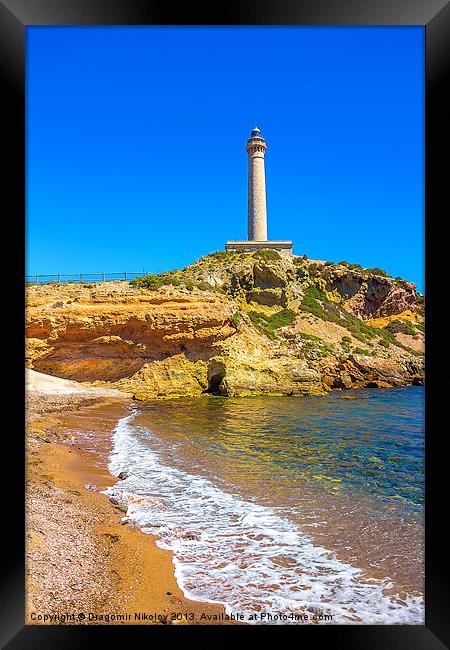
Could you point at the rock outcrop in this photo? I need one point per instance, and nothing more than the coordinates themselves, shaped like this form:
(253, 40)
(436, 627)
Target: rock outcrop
(231, 324)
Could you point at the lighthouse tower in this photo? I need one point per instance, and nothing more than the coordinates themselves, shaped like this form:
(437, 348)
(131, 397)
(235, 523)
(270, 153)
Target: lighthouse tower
(257, 211)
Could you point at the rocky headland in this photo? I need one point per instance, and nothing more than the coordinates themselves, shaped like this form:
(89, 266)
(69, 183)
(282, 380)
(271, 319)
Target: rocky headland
(232, 323)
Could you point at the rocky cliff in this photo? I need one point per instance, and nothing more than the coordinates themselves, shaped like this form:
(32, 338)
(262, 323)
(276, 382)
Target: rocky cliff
(233, 323)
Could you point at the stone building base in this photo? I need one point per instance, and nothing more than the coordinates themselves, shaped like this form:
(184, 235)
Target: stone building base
(258, 245)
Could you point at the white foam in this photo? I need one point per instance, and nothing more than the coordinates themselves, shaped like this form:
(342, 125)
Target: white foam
(234, 552)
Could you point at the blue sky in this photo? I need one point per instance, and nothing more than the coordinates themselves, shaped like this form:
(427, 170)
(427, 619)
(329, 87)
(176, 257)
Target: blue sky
(136, 144)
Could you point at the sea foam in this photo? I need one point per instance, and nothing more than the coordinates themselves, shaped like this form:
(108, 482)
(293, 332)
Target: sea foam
(237, 552)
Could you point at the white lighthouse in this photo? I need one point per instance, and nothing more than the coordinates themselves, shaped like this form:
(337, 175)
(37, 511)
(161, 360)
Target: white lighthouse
(257, 210)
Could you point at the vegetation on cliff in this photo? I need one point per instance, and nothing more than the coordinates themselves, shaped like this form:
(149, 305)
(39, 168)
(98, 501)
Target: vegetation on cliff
(269, 324)
(235, 323)
(341, 293)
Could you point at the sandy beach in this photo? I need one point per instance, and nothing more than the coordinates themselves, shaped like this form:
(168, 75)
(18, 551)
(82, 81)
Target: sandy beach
(83, 565)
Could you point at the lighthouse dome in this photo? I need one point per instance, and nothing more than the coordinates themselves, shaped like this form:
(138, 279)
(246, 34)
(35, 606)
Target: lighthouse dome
(256, 133)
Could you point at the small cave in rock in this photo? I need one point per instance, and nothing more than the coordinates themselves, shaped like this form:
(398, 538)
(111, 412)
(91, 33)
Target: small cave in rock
(214, 382)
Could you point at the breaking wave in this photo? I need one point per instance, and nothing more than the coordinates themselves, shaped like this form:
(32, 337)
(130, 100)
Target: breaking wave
(237, 552)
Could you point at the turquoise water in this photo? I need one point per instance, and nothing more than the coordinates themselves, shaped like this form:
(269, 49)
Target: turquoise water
(339, 477)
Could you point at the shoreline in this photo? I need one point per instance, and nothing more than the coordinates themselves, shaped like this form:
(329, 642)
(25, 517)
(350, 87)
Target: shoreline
(80, 558)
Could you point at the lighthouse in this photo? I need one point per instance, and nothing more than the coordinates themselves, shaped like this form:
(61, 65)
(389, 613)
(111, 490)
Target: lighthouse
(257, 209)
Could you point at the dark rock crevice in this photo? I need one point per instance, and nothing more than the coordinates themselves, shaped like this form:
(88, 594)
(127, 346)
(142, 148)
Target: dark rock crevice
(216, 379)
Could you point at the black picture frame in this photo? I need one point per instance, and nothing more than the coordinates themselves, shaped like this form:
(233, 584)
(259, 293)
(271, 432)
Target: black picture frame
(434, 15)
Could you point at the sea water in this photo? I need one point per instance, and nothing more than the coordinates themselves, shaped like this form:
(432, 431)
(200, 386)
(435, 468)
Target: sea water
(284, 505)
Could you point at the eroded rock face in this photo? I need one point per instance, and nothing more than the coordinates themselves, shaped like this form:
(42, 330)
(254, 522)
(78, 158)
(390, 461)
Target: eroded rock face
(154, 344)
(361, 371)
(179, 342)
(272, 377)
(282, 280)
(270, 275)
(369, 297)
(399, 299)
(270, 297)
(114, 338)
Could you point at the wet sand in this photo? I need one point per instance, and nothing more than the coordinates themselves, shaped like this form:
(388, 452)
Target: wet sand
(83, 565)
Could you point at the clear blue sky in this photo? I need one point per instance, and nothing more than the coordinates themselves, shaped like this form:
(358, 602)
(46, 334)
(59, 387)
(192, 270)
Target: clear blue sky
(136, 144)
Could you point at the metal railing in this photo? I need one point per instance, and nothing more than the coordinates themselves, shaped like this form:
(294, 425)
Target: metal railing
(81, 278)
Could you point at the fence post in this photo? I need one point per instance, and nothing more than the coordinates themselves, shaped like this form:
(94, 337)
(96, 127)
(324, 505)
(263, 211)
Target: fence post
(81, 277)
(125, 276)
(37, 279)
(59, 278)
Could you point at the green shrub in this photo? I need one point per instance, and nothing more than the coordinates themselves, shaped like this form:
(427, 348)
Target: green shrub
(173, 280)
(205, 286)
(149, 281)
(400, 327)
(155, 282)
(235, 319)
(221, 256)
(267, 255)
(299, 261)
(282, 318)
(313, 293)
(358, 328)
(363, 351)
(260, 321)
(326, 350)
(269, 324)
(346, 339)
(350, 266)
(308, 337)
(387, 336)
(377, 271)
(312, 305)
(314, 302)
